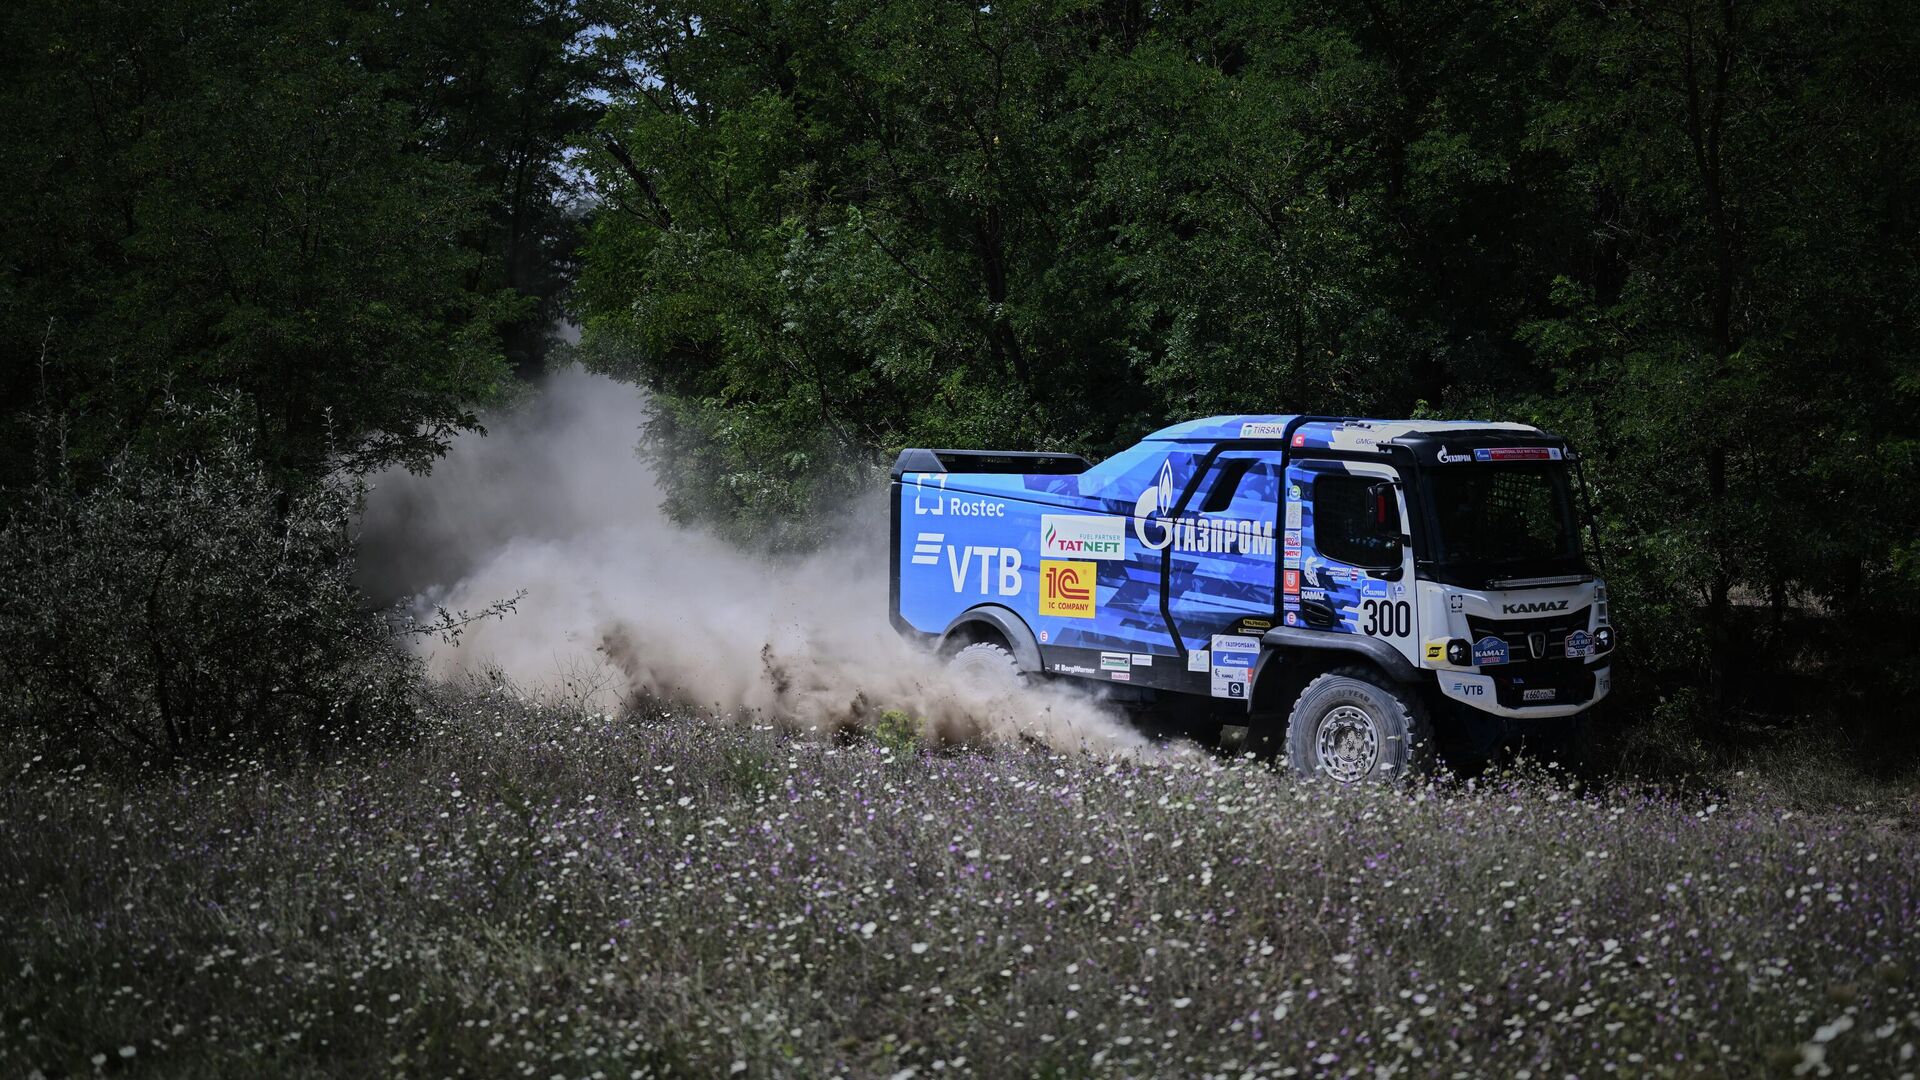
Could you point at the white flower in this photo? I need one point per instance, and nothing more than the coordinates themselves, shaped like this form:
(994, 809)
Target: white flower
(919, 947)
(1181, 1003)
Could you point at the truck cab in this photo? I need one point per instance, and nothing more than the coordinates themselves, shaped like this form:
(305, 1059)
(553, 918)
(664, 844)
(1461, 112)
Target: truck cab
(1335, 587)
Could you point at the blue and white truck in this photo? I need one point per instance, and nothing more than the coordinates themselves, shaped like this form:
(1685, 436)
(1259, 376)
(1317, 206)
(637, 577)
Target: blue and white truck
(1333, 588)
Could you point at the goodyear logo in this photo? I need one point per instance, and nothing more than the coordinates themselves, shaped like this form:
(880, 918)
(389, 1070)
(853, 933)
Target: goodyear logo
(1067, 589)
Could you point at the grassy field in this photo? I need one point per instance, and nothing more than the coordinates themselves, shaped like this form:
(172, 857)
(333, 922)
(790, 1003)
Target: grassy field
(541, 892)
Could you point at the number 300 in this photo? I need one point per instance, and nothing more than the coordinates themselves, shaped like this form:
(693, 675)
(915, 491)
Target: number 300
(1388, 618)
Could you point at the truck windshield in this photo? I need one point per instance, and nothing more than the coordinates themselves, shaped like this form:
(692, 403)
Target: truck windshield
(1505, 520)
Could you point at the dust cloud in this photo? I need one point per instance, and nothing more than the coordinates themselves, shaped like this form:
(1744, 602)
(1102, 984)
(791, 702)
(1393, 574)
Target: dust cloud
(620, 601)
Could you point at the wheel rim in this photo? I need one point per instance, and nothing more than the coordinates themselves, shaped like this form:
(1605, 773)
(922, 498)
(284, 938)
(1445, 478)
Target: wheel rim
(1348, 743)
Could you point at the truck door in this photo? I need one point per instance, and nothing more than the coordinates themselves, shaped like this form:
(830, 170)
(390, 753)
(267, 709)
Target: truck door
(1346, 564)
(1223, 558)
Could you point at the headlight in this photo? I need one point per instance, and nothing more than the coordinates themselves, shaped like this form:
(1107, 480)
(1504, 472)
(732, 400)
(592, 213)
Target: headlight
(1603, 639)
(1459, 653)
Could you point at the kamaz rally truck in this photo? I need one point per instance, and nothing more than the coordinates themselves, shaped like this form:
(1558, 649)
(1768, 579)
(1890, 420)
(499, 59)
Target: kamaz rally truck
(1331, 586)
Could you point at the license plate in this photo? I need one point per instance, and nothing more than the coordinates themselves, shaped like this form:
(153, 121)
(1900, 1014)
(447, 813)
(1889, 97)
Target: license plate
(1539, 695)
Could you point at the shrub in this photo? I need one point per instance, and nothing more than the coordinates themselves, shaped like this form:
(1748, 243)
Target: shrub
(190, 610)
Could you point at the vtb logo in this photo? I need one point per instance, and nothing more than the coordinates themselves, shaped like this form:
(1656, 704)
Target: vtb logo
(1067, 589)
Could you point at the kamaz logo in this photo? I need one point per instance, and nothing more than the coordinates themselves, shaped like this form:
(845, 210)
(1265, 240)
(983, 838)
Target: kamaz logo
(1533, 606)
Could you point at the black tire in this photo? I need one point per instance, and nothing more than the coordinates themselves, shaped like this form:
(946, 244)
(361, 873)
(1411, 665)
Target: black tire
(1352, 726)
(987, 665)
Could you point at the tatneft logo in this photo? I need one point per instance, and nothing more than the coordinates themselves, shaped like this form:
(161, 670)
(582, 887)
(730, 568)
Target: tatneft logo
(1532, 606)
(1445, 458)
(1067, 589)
(1083, 537)
(1220, 536)
(1002, 579)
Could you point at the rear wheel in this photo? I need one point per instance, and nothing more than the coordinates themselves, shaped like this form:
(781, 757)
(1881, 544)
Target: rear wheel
(1351, 726)
(987, 665)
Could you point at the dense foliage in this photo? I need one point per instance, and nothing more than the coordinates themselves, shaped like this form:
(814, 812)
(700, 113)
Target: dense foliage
(187, 612)
(344, 213)
(542, 892)
(1682, 232)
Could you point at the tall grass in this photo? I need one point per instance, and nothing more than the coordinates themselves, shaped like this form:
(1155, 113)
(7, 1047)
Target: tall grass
(541, 892)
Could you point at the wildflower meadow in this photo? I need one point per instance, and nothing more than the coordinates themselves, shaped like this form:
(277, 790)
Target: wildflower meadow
(538, 891)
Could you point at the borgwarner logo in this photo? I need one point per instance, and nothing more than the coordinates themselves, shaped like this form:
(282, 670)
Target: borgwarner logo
(1220, 536)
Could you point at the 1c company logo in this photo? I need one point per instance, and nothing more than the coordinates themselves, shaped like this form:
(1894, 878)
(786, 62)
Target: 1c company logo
(1068, 589)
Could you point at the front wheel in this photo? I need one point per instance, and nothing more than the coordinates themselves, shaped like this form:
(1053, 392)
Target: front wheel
(988, 666)
(1350, 726)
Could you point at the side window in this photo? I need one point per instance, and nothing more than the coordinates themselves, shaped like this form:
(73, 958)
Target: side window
(1226, 481)
(1344, 528)
(1240, 484)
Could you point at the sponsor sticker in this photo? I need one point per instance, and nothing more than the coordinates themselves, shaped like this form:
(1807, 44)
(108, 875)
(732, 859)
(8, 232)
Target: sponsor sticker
(1290, 581)
(1293, 618)
(1067, 589)
(1076, 536)
(1299, 438)
(932, 505)
(1517, 453)
(1141, 659)
(1207, 535)
(1456, 603)
(1198, 660)
(1114, 661)
(1467, 687)
(1490, 650)
(1579, 643)
(1294, 515)
(1120, 676)
(926, 548)
(1263, 431)
(1293, 492)
(1073, 669)
(1436, 650)
(999, 568)
(1446, 458)
(1233, 658)
(1043, 637)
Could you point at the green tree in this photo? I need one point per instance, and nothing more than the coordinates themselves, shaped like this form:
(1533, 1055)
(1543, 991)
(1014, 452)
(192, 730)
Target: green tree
(323, 208)
(1739, 347)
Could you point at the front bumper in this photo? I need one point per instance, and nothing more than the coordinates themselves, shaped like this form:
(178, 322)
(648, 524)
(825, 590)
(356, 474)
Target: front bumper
(1575, 689)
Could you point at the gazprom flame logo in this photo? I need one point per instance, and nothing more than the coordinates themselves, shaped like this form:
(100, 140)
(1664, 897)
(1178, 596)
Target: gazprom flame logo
(1204, 534)
(1152, 507)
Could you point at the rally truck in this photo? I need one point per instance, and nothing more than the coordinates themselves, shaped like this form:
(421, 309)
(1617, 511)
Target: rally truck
(1332, 589)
